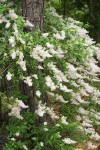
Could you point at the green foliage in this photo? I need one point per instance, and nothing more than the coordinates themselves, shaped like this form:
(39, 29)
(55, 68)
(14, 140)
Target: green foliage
(30, 134)
(85, 11)
(59, 68)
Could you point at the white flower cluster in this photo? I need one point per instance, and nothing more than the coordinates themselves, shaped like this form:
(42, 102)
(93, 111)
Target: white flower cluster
(42, 109)
(12, 14)
(39, 53)
(58, 74)
(21, 61)
(63, 120)
(16, 109)
(58, 52)
(59, 98)
(79, 75)
(16, 37)
(69, 141)
(87, 123)
(5, 19)
(64, 88)
(72, 72)
(50, 83)
(28, 81)
(12, 41)
(60, 36)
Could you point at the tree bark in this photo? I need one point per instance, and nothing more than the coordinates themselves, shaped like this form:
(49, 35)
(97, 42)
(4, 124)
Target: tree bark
(33, 12)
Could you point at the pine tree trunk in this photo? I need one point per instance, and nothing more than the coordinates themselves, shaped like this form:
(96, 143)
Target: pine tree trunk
(33, 11)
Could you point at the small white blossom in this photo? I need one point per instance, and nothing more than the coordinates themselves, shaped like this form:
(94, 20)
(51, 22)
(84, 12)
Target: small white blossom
(9, 76)
(7, 25)
(35, 76)
(78, 118)
(22, 64)
(51, 46)
(45, 35)
(12, 41)
(63, 120)
(45, 129)
(15, 111)
(12, 14)
(42, 144)
(64, 88)
(38, 93)
(17, 134)
(13, 54)
(25, 148)
(57, 125)
(5, 54)
(13, 139)
(83, 111)
(45, 123)
(86, 124)
(21, 104)
(29, 24)
(40, 67)
(28, 81)
(33, 138)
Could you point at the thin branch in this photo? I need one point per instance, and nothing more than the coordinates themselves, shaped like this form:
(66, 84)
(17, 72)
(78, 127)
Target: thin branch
(6, 69)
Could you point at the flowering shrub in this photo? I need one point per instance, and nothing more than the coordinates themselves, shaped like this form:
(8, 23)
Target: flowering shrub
(63, 68)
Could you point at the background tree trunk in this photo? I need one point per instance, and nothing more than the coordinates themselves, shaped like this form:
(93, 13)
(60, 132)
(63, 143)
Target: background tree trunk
(94, 13)
(64, 2)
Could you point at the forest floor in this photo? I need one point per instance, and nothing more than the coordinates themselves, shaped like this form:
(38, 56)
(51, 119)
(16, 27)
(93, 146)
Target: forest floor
(84, 146)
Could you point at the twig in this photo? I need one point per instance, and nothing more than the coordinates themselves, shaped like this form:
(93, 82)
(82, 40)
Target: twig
(5, 69)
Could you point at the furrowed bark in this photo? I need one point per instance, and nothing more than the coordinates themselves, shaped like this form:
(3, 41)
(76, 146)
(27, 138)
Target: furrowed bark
(33, 11)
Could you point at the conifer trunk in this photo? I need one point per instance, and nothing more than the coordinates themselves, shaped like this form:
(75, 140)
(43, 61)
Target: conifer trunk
(32, 10)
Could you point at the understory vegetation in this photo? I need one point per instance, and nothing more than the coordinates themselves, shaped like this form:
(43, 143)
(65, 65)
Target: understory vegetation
(61, 65)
